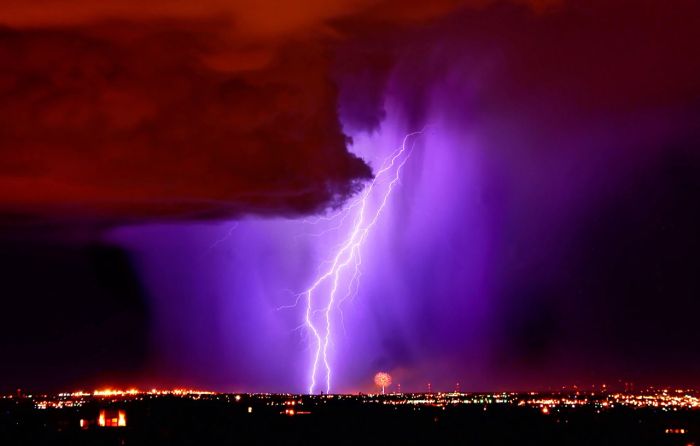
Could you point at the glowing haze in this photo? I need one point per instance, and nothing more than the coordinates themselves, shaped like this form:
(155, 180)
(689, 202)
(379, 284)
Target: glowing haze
(478, 269)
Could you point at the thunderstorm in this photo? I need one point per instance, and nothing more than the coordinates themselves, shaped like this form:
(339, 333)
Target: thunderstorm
(345, 264)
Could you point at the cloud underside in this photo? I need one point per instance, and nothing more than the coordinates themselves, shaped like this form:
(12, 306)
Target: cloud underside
(121, 111)
(132, 120)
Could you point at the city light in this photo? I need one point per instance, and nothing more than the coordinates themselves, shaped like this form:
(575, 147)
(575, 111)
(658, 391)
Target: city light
(546, 402)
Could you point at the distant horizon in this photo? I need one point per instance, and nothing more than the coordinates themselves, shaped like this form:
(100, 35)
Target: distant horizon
(389, 390)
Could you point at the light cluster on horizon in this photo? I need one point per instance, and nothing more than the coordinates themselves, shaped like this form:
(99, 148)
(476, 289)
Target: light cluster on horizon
(79, 397)
(661, 399)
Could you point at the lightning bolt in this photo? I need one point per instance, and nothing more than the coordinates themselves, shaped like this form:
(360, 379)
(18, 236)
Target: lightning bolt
(222, 239)
(347, 258)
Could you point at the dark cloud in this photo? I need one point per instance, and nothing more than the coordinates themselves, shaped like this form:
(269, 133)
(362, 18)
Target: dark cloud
(133, 121)
(569, 60)
(119, 111)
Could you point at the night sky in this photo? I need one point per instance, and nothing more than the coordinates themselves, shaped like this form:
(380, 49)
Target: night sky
(167, 167)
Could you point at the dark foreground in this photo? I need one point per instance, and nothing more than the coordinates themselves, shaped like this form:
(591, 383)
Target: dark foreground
(263, 421)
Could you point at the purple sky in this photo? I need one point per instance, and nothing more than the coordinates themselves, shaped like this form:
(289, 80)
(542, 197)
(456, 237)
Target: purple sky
(544, 231)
